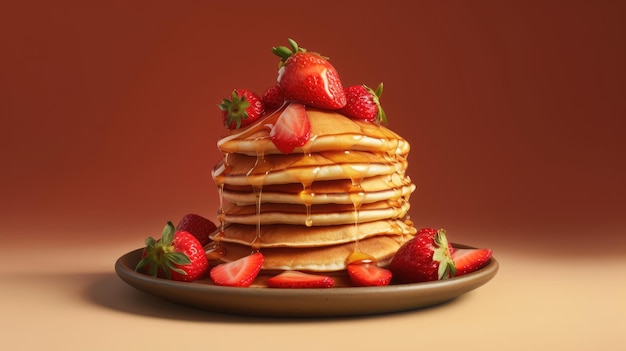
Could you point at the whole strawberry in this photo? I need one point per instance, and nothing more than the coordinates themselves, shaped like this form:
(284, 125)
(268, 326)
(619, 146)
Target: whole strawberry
(308, 78)
(199, 226)
(426, 257)
(364, 103)
(272, 97)
(178, 255)
(243, 108)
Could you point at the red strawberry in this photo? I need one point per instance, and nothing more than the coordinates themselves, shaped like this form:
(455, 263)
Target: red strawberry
(200, 227)
(469, 260)
(273, 97)
(368, 274)
(426, 257)
(178, 255)
(308, 78)
(292, 128)
(239, 273)
(364, 103)
(243, 108)
(300, 280)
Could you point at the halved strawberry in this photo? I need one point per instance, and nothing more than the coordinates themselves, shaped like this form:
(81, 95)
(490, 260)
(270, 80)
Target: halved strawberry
(238, 273)
(470, 260)
(300, 280)
(309, 78)
(292, 128)
(368, 274)
(198, 226)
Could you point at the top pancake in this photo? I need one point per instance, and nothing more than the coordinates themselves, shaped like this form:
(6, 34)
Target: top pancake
(329, 131)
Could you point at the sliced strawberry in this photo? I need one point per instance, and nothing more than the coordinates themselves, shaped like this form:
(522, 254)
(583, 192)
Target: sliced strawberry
(198, 226)
(292, 128)
(470, 260)
(239, 273)
(368, 274)
(300, 280)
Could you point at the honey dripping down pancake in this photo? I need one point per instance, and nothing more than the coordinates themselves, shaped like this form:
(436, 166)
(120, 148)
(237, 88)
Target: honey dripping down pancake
(344, 191)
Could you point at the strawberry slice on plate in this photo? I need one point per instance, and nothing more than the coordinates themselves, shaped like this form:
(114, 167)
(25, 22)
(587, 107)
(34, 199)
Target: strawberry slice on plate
(292, 128)
(300, 280)
(238, 273)
(470, 260)
(368, 274)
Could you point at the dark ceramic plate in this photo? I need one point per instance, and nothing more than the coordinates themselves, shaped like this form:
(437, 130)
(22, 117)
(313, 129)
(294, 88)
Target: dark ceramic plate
(339, 301)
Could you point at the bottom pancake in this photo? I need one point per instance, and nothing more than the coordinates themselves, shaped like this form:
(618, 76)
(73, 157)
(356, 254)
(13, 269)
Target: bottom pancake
(319, 259)
(285, 235)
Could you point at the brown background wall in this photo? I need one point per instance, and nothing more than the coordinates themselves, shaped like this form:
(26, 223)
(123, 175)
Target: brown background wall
(514, 110)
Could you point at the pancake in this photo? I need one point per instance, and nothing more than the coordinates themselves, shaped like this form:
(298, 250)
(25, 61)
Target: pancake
(319, 259)
(339, 191)
(370, 184)
(319, 215)
(329, 131)
(251, 170)
(284, 235)
(248, 198)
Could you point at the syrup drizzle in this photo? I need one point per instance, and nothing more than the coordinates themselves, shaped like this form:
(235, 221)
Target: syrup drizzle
(394, 155)
(214, 250)
(256, 176)
(307, 194)
(256, 243)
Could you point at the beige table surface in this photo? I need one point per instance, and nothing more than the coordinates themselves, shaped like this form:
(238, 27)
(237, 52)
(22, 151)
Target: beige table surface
(72, 299)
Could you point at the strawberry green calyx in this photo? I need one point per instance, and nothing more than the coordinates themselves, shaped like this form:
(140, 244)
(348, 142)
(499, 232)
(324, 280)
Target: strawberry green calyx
(236, 108)
(286, 52)
(381, 117)
(442, 255)
(160, 255)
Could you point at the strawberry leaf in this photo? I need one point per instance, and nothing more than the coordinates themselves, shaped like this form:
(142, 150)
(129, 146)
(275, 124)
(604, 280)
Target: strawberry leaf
(381, 116)
(160, 255)
(178, 258)
(236, 108)
(442, 255)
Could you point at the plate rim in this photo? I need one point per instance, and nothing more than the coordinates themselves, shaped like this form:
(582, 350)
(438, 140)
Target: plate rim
(314, 302)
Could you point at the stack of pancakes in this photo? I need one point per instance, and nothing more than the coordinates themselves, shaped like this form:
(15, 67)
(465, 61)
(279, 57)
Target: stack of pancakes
(344, 191)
